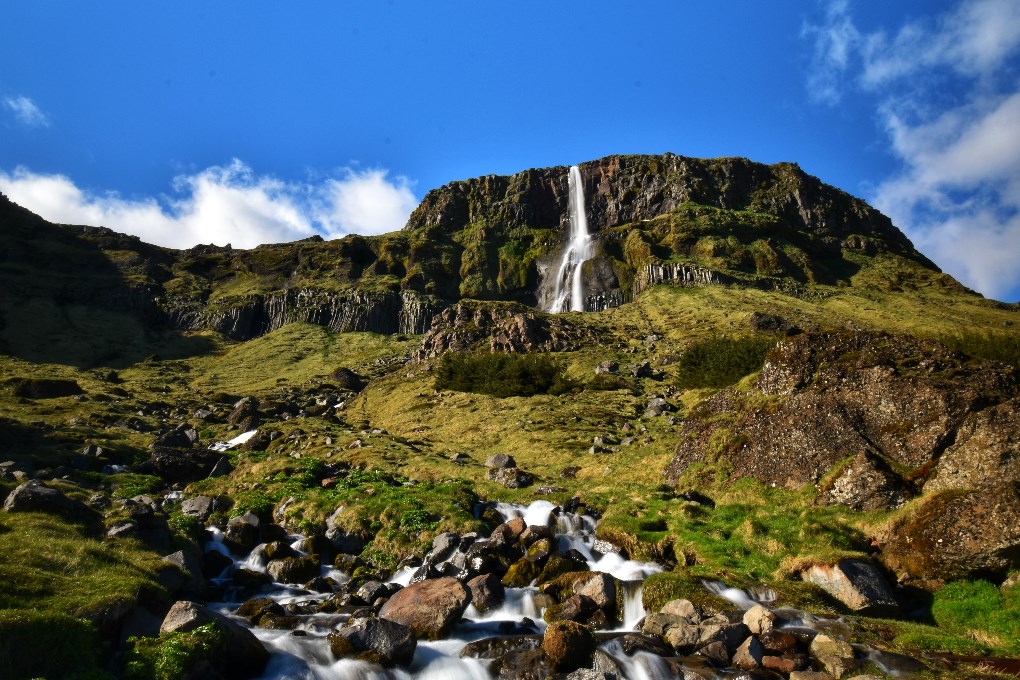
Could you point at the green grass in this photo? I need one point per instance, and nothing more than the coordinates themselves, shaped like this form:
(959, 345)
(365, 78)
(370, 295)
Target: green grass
(48, 645)
(999, 346)
(173, 655)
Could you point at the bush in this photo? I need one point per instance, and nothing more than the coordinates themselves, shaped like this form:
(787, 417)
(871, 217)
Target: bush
(722, 361)
(500, 375)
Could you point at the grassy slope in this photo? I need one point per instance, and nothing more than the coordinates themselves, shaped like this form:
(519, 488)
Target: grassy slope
(753, 534)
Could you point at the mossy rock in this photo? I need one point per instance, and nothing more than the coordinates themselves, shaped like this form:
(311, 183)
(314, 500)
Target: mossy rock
(522, 573)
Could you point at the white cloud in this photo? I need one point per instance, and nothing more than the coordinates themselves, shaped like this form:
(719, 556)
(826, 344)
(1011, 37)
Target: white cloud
(948, 95)
(26, 111)
(368, 203)
(225, 204)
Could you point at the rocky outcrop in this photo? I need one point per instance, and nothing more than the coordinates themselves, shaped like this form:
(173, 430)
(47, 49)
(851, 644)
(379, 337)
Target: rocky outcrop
(500, 328)
(34, 497)
(888, 400)
(339, 311)
(957, 534)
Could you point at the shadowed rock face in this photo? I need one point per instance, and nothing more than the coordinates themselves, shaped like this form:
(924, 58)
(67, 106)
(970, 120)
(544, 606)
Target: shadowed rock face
(822, 399)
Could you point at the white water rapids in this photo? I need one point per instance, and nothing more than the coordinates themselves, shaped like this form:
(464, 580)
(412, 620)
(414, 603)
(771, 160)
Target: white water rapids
(567, 289)
(306, 655)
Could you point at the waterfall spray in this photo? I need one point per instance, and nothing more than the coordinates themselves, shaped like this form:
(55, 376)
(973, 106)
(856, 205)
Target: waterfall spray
(569, 284)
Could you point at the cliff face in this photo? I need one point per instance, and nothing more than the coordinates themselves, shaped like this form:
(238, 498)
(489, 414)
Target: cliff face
(655, 219)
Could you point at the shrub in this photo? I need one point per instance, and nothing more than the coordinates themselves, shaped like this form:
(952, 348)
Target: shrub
(721, 361)
(500, 374)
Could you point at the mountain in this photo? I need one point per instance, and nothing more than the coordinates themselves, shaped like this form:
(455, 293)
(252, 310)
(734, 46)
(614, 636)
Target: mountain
(770, 387)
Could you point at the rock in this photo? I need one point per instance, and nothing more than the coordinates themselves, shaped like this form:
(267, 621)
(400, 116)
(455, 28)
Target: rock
(957, 534)
(682, 637)
(245, 413)
(372, 590)
(602, 589)
(183, 436)
(607, 366)
(293, 569)
(809, 675)
(684, 609)
(500, 460)
(867, 483)
(641, 370)
(568, 646)
(199, 507)
(348, 379)
(45, 388)
(771, 323)
(748, 655)
(388, 642)
(657, 406)
(759, 619)
(181, 466)
(241, 535)
(33, 496)
(185, 574)
(986, 451)
(511, 477)
(639, 642)
(730, 634)
(242, 654)
(833, 395)
(429, 607)
(487, 592)
(836, 656)
(856, 583)
(343, 541)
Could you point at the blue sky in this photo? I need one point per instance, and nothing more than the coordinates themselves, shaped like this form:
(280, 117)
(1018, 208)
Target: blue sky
(244, 123)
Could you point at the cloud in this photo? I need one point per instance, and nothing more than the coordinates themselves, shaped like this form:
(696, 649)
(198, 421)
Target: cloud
(946, 91)
(367, 202)
(225, 204)
(26, 111)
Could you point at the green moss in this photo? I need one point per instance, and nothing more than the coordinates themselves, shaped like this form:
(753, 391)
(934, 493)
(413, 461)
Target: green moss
(174, 655)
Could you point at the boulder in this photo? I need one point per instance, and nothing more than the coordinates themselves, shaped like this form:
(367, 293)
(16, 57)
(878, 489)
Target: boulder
(245, 414)
(183, 574)
(568, 646)
(858, 584)
(748, 655)
(500, 460)
(835, 656)
(199, 507)
(242, 655)
(46, 388)
(33, 496)
(386, 642)
(183, 436)
(867, 483)
(657, 406)
(429, 607)
(511, 477)
(181, 466)
(607, 366)
(293, 569)
(986, 451)
(487, 592)
(957, 534)
(759, 619)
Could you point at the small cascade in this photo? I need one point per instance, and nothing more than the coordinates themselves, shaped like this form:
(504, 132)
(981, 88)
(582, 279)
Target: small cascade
(565, 292)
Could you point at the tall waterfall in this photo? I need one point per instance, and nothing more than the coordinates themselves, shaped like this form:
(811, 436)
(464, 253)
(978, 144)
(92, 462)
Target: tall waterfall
(568, 286)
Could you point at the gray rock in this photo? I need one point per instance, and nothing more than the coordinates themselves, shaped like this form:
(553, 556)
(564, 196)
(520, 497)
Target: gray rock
(242, 653)
(835, 656)
(487, 592)
(511, 477)
(199, 507)
(392, 643)
(500, 460)
(748, 656)
(183, 574)
(858, 584)
(607, 366)
(32, 496)
(657, 406)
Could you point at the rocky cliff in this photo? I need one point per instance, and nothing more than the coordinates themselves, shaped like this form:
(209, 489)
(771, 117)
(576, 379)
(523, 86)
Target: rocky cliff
(656, 219)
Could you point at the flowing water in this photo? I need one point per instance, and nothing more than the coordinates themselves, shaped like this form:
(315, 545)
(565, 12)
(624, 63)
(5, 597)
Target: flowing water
(304, 654)
(565, 292)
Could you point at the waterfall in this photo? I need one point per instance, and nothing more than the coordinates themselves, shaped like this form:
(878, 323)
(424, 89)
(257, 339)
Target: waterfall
(568, 286)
